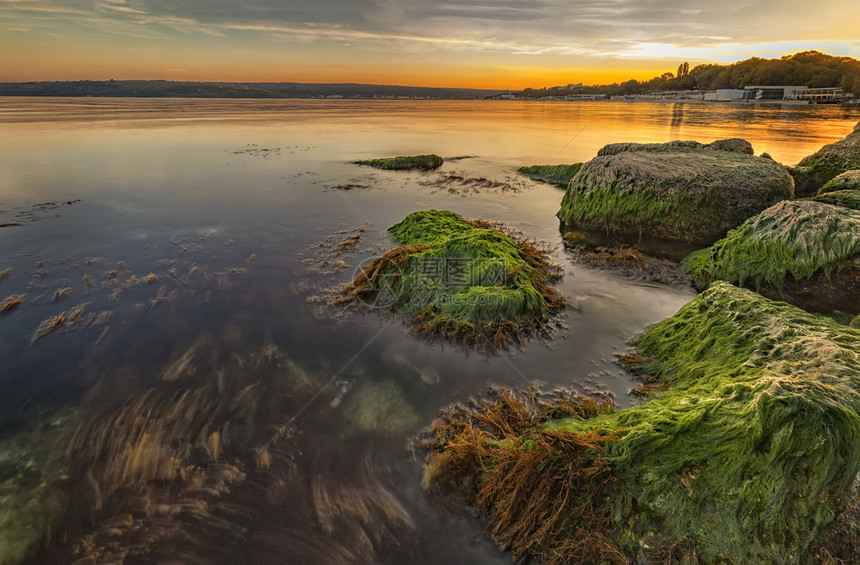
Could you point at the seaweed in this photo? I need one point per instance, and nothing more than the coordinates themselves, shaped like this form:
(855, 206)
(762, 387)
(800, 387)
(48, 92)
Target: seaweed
(422, 162)
(744, 458)
(844, 198)
(541, 492)
(790, 238)
(465, 281)
(849, 180)
(554, 174)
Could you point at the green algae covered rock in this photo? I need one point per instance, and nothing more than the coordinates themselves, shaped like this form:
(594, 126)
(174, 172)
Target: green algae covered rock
(463, 280)
(555, 174)
(849, 180)
(844, 198)
(796, 250)
(681, 190)
(757, 435)
(422, 162)
(743, 458)
(817, 169)
(733, 145)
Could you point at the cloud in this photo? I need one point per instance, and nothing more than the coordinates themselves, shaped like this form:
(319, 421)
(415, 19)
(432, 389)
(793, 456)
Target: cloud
(633, 29)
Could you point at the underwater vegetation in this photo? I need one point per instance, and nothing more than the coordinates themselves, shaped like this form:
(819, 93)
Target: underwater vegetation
(680, 190)
(463, 280)
(814, 171)
(555, 174)
(813, 243)
(744, 458)
(422, 162)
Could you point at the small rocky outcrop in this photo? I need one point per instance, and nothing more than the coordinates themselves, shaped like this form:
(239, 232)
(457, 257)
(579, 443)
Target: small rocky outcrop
(462, 280)
(844, 198)
(681, 190)
(849, 180)
(421, 162)
(817, 169)
(553, 174)
(803, 252)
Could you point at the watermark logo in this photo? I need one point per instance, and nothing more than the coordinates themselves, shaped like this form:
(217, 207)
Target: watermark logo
(432, 280)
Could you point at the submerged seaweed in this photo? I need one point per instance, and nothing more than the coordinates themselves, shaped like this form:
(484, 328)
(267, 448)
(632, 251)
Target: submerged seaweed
(463, 280)
(404, 163)
(555, 174)
(743, 458)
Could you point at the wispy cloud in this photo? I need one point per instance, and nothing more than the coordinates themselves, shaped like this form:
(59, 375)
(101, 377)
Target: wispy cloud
(574, 29)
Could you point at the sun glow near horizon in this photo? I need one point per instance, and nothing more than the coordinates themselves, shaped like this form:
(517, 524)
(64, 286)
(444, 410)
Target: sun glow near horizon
(472, 44)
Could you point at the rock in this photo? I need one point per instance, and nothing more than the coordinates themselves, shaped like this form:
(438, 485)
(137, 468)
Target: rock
(753, 440)
(733, 145)
(682, 190)
(844, 198)
(462, 280)
(554, 174)
(422, 162)
(849, 180)
(816, 170)
(379, 408)
(804, 252)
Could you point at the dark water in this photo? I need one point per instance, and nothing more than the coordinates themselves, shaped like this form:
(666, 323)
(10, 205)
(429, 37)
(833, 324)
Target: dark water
(187, 244)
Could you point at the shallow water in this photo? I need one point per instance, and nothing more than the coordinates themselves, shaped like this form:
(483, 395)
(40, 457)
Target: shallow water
(225, 203)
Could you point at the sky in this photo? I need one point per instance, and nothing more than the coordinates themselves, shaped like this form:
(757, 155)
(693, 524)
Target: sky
(497, 44)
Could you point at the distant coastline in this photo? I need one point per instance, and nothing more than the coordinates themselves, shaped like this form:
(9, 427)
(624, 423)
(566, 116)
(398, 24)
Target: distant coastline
(257, 90)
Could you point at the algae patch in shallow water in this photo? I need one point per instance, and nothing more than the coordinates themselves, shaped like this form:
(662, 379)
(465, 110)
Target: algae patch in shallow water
(402, 163)
(463, 280)
(555, 174)
(741, 460)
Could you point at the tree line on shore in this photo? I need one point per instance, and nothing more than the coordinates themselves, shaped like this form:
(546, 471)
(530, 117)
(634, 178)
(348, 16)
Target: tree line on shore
(811, 68)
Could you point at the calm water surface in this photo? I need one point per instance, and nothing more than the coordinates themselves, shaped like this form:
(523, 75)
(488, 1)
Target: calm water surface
(186, 246)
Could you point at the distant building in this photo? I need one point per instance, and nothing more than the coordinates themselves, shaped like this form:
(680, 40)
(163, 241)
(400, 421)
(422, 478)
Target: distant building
(585, 97)
(772, 92)
(821, 94)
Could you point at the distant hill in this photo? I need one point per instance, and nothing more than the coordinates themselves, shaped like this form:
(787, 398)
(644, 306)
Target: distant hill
(809, 68)
(177, 89)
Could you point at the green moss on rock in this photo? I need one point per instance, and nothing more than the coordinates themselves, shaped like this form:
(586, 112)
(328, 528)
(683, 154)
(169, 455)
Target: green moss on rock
(422, 162)
(849, 180)
(678, 190)
(741, 460)
(792, 238)
(555, 174)
(816, 170)
(757, 435)
(844, 198)
(464, 280)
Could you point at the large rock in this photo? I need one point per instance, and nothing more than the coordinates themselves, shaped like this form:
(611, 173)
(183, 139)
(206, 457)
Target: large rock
(804, 252)
(744, 457)
(682, 190)
(830, 161)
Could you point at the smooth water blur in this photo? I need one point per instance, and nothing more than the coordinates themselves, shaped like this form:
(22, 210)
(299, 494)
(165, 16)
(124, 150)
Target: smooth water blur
(225, 202)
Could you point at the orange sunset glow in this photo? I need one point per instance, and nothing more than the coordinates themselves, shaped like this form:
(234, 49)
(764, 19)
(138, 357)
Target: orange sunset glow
(500, 45)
